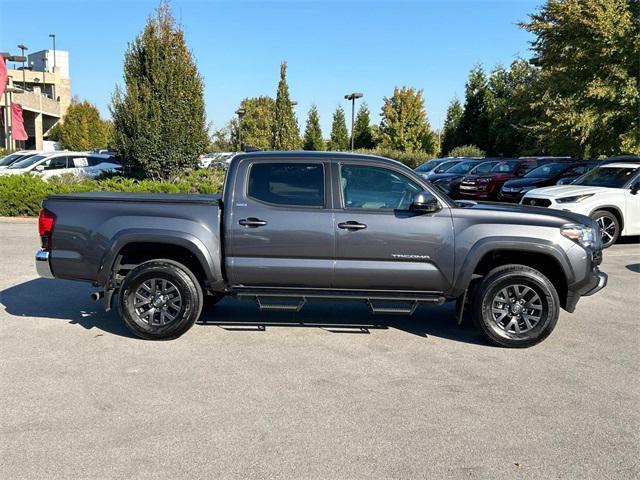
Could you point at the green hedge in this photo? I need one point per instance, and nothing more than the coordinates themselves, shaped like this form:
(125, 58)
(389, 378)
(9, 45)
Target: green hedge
(410, 159)
(22, 195)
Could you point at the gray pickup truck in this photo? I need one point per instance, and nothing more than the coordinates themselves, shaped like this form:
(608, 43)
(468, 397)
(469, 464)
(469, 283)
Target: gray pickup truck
(297, 226)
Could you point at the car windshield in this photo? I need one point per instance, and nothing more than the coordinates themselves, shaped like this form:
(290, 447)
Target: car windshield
(484, 167)
(9, 159)
(548, 171)
(27, 162)
(445, 166)
(504, 167)
(463, 167)
(428, 166)
(612, 177)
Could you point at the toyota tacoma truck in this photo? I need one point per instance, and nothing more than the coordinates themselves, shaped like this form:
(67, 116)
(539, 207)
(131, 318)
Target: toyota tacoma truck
(293, 227)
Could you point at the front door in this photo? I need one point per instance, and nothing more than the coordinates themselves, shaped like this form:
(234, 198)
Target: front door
(279, 229)
(381, 244)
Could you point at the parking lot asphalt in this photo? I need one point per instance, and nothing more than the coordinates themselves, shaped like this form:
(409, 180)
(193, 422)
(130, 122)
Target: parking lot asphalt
(330, 392)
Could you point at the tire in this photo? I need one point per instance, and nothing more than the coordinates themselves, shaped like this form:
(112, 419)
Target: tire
(160, 300)
(609, 226)
(510, 325)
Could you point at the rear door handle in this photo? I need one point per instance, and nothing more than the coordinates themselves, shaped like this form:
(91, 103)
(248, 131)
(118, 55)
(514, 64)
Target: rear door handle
(252, 222)
(352, 225)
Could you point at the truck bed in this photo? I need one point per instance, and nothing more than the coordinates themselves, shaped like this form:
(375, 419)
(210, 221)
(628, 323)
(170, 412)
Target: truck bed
(139, 197)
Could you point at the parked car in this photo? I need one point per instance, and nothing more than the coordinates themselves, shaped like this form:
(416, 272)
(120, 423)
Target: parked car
(542, 176)
(47, 165)
(486, 186)
(292, 227)
(608, 194)
(449, 181)
(429, 165)
(7, 160)
(548, 159)
(443, 167)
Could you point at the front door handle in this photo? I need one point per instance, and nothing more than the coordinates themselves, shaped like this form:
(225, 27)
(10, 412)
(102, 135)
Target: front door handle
(352, 225)
(252, 222)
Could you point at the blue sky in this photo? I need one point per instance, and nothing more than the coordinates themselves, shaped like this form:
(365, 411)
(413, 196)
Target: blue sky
(332, 48)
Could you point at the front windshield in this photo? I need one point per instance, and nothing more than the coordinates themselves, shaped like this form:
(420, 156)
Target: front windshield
(463, 167)
(428, 166)
(27, 162)
(484, 167)
(548, 171)
(504, 167)
(612, 177)
(9, 159)
(446, 166)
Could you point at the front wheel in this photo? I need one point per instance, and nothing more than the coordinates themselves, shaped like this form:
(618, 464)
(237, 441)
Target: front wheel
(160, 300)
(609, 227)
(516, 306)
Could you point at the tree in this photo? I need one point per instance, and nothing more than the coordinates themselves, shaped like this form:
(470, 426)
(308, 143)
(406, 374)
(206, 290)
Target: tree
(466, 151)
(285, 134)
(313, 133)
(451, 127)
(222, 139)
(362, 133)
(82, 128)
(474, 123)
(404, 124)
(587, 52)
(257, 122)
(339, 133)
(159, 118)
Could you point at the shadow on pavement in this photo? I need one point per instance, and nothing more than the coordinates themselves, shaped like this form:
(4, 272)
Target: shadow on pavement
(69, 301)
(634, 267)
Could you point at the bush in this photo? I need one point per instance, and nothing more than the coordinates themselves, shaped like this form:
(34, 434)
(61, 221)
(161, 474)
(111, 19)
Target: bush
(410, 159)
(466, 151)
(22, 195)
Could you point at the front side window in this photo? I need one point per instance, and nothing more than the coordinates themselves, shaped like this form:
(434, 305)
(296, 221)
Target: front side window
(376, 188)
(55, 163)
(291, 184)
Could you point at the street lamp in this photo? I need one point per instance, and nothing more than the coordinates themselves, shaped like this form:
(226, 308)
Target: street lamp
(352, 97)
(53, 36)
(240, 112)
(23, 48)
(44, 75)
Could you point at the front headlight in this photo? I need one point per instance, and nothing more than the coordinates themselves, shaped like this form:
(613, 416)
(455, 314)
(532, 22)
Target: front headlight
(577, 198)
(580, 234)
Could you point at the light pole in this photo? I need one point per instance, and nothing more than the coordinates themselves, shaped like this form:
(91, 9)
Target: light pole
(24, 82)
(240, 112)
(53, 36)
(44, 75)
(352, 97)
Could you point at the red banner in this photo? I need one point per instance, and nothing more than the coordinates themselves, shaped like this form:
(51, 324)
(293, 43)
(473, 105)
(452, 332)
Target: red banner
(3, 75)
(17, 123)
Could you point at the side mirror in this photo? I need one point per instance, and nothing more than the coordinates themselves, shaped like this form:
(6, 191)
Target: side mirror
(39, 168)
(424, 202)
(635, 188)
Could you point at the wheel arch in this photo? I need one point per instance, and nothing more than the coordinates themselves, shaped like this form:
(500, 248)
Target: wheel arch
(615, 210)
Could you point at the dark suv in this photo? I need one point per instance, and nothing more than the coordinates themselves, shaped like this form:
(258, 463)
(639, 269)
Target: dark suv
(487, 186)
(449, 181)
(543, 176)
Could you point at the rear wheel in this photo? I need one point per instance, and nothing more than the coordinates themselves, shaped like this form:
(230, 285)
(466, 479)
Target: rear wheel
(160, 299)
(609, 227)
(516, 306)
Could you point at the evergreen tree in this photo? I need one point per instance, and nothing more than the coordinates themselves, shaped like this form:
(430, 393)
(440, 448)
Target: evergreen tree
(257, 122)
(404, 124)
(362, 134)
(82, 128)
(159, 118)
(451, 127)
(339, 133)
(313, 132)
(285, 133)
(588, 54)
(474, 123)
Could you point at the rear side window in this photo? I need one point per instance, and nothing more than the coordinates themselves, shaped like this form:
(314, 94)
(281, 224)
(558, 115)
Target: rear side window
(95, 161)
(290, 184)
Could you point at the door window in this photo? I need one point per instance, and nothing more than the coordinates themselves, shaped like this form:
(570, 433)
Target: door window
(376, 188)
(290, 184)
(56, 163)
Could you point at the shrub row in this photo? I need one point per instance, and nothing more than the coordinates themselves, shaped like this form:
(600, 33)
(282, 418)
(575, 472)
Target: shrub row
(22, 195)
(410, 159)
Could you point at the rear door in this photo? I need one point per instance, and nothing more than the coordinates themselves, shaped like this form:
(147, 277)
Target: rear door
(279, 229)
(381, 244)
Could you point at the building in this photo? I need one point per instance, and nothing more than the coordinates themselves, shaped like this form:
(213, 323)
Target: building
(44, 92)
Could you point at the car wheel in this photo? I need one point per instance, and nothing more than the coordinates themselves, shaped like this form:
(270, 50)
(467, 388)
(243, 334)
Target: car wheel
(516, 306)
(609, 227)
(160, 300)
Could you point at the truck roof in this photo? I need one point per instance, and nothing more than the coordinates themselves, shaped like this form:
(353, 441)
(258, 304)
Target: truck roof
(313, 154)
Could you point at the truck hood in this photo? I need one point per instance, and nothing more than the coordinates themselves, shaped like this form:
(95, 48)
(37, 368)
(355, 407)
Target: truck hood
(559, 191)
(568, 217)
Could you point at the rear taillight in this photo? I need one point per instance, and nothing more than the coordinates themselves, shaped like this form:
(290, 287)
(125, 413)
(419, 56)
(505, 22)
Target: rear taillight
(46, 220)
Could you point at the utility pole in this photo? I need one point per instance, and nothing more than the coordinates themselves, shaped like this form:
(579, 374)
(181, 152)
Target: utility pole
(24, 82)
(53, 36)
(352, 97)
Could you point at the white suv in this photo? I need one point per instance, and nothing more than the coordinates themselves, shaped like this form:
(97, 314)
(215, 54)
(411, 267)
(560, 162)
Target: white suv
(47, 165)
(610, 194)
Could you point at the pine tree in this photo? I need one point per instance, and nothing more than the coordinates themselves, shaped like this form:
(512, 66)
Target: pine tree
(474, 124)
(404, 124)
(159, 118)
(450, 130)
(313, 132)
(362, 134)
(285, 134)
(339, 133)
